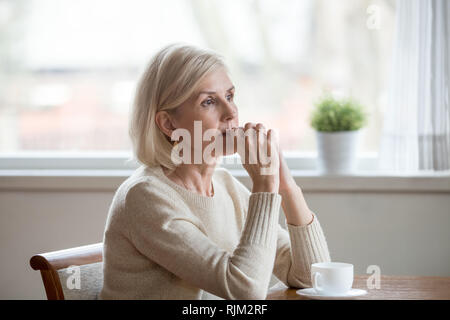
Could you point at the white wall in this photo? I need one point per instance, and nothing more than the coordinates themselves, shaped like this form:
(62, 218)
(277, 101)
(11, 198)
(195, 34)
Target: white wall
(403, 232)
(36, 222)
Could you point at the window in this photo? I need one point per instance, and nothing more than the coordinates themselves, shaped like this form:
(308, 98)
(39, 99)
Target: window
(68, 68)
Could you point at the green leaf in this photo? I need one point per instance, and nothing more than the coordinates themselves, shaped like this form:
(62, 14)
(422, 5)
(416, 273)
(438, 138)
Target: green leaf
(331, 115)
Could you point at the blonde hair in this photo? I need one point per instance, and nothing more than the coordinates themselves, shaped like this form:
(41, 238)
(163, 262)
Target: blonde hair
(170, 79)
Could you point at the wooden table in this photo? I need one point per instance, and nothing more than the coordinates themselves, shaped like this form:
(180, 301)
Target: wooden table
(391, 287)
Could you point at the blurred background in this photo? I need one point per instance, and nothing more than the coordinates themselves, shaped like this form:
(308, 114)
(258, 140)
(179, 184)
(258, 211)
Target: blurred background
(68, 72)
(68, 69)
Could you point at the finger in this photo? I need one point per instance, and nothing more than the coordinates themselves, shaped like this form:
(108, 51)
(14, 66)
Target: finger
(249, 125)
(262, 145)
(239, 142)
(252, 136)
(260, 127)
(272, 152)
(271, 142)
(250, 142)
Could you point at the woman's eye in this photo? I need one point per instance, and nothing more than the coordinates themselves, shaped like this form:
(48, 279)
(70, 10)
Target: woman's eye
(230, 97)
(208, 102)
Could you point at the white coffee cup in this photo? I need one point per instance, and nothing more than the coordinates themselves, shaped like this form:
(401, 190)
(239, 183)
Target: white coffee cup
(332, 277)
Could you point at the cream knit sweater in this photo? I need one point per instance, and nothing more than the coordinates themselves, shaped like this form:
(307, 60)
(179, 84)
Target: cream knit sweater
(162, 241)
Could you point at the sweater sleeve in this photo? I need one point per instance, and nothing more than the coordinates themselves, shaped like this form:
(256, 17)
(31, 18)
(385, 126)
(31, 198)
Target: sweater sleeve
(298, 248)
(167, 233)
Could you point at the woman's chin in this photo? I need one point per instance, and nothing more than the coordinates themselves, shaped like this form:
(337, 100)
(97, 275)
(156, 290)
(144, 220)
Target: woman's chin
(227, 152)
(224, 154)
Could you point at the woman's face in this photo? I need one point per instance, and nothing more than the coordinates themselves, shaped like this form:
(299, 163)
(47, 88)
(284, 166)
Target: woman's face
(212, 104)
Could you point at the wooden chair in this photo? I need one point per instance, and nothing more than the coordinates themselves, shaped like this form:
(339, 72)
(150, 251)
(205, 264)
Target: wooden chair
(56, 267)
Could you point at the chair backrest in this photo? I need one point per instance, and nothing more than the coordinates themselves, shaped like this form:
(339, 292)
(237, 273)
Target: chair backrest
(75, 273)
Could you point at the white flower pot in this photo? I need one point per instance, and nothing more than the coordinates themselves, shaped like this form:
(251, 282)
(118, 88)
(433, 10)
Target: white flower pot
(337, 151)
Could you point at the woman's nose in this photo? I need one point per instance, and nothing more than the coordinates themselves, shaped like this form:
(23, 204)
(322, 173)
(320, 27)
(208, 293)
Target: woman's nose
(230, 112)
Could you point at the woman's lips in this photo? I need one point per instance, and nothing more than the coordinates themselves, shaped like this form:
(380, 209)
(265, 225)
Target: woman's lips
(225, 131)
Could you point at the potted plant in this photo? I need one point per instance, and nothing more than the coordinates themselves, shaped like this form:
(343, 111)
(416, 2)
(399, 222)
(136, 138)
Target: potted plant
(338, 124)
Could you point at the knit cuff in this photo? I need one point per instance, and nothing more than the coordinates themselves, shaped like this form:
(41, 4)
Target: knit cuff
(308, 244)
(262, 219)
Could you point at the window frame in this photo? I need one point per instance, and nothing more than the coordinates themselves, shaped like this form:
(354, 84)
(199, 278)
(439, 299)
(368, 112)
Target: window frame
(66, 160)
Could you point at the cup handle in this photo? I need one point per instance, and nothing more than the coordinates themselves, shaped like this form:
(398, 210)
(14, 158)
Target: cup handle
(315, 282)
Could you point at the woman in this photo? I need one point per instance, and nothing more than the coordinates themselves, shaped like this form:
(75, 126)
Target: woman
(192, 230)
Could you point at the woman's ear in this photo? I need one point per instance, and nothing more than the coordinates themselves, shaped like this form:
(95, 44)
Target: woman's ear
(165, 122)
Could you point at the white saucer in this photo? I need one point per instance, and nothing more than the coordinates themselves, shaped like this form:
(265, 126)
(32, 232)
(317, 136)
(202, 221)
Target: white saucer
(311, 293)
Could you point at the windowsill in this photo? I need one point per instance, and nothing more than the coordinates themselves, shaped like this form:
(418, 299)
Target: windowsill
(308, 180)
(105, 172)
